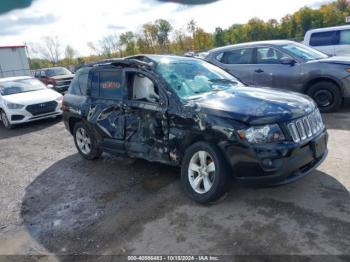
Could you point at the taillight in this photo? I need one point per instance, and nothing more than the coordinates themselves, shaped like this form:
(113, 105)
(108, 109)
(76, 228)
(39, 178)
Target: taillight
(63, 107)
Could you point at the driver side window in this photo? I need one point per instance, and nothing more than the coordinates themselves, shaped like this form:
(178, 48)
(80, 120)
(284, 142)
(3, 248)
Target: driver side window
(142, 88)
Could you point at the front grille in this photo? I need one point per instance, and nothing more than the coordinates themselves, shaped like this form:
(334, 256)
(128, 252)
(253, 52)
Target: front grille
(306, 127)
(42, 108)
(63, 83)
(17, 117)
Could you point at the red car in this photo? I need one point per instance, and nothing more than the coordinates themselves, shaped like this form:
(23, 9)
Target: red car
(58, 77)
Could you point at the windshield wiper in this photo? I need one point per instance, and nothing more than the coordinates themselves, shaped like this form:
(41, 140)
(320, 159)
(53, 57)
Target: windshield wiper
(223, 80)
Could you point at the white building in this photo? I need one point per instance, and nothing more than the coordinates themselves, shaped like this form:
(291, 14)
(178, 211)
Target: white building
(14, 61)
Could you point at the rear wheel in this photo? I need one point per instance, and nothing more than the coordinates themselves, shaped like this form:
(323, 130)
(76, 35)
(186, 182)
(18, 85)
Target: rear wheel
(327, 96)
(5, 120)
(85, 142)
(204, 173)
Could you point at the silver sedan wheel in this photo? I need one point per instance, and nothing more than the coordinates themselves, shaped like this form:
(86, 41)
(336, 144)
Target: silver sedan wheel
(201, 172)
(83, 141)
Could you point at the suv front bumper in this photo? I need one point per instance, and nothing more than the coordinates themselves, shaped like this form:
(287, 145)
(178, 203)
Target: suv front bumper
(276, 164)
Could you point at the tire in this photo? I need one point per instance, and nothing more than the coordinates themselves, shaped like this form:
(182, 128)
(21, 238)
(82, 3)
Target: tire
(210, 185)
(85, 142)
(5, 120)
(327, 96)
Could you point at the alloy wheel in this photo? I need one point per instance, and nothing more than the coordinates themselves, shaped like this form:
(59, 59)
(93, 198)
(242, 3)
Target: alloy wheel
(201, 172)
(83, 141)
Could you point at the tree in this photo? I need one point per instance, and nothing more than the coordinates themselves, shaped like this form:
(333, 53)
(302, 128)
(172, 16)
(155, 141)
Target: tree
(236, 34)
(150, 33)
(342, 5)
(163, 30)
(191, 28)
(69, 52)
(127, 40)
(93, 48)
(203, 40)
(50, 49)
(255, 29)
(111, 45)
(181, 41)
(219, 37)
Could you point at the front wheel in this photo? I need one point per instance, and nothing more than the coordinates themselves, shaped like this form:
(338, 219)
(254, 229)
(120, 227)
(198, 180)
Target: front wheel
(5, 120)
(204, 173)
(85, 142)
(326, 95)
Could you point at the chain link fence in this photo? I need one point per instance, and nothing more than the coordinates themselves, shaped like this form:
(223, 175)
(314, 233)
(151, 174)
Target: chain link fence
(19, 72)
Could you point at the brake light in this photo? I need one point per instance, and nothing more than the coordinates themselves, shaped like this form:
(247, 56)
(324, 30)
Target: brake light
(63, 107)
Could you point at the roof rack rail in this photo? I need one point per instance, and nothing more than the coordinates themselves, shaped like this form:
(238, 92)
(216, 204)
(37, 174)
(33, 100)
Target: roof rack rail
(120, 61)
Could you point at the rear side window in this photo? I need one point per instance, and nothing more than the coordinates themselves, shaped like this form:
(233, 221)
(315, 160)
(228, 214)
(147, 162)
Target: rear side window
(239, 56)
(344, 37)
(110, 84)
(74, 87)
(322, 38)
(79, 85)
(219, 57)
(83, 80)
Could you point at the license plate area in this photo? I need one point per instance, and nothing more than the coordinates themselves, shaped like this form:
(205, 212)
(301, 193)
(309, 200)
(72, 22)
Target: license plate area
(318, 146)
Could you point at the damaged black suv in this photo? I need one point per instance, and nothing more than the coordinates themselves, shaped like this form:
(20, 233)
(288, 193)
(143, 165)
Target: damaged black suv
(186, 112)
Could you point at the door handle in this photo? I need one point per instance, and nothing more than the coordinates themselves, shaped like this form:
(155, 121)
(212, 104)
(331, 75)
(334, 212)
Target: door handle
(259, 70)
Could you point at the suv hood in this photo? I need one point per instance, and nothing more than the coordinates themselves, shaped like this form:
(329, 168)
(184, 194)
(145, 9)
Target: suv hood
(342, 60)
(34, 97)
(256, 106)
(62, 77)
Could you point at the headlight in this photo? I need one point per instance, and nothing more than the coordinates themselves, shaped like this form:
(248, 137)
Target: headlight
(14, 106)
(262, 134)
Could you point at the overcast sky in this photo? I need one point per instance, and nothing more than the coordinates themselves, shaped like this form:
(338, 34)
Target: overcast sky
(77, 22)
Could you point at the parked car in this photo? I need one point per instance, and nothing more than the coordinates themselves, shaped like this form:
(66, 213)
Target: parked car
(58, 78)
(186, 112)
(25, 99)
(288, 65)
(200, 55)
(334, 41)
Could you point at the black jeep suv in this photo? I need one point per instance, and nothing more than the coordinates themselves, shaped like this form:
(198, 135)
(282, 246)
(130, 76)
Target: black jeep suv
(186, 112)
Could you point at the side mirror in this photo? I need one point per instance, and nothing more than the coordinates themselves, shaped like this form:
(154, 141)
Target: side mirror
(288, 61)
(50, 86)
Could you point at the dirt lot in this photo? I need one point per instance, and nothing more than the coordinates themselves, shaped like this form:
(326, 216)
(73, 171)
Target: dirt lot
(54, 202)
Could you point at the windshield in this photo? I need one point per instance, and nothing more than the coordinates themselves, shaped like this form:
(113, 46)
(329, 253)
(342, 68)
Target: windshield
(57, 71)
(190, 78)
(304, 52)
(20, 86)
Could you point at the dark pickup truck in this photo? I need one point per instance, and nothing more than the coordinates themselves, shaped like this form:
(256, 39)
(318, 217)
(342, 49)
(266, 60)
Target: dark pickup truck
(186, 112)
(58, 78)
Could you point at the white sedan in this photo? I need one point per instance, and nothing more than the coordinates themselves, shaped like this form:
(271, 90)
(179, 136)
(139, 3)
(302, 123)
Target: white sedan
(25, 99)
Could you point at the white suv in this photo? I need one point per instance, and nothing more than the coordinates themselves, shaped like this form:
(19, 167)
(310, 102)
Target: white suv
(25, 99)
(333, 41)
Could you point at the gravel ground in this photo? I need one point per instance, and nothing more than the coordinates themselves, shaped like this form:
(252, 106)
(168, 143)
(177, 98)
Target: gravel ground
(54, 202)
